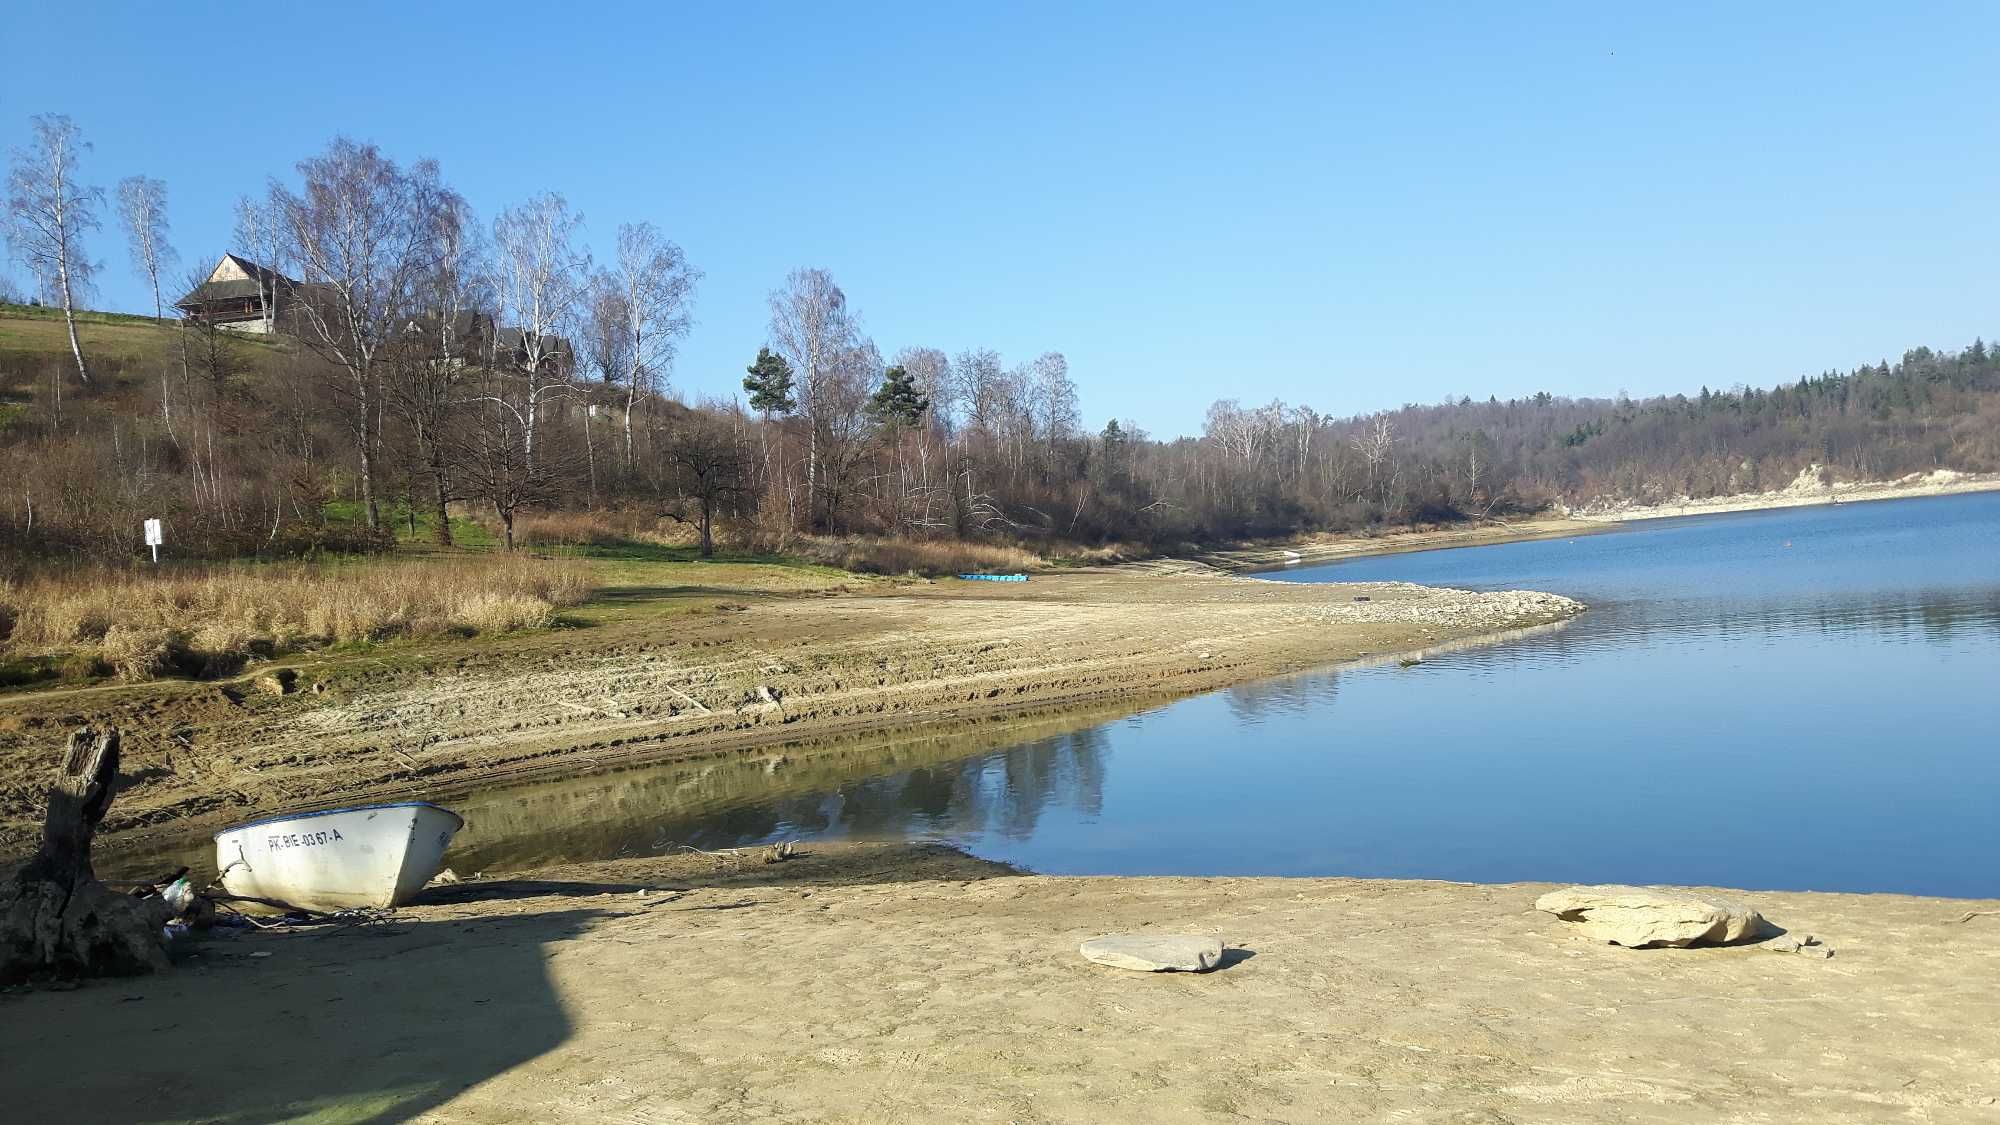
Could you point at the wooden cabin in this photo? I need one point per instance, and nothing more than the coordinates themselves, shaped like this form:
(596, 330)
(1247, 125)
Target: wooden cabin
(236, 294)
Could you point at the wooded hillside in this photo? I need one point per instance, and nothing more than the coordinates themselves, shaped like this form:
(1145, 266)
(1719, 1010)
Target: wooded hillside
(445, 375)
(240, 445)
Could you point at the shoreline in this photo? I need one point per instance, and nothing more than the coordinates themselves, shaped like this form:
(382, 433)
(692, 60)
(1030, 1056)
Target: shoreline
(738, 678)
(1322, 549)
(1942, 483)
(913, 983)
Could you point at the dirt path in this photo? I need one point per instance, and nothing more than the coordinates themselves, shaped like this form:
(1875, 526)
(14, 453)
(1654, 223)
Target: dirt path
(739, 674)
(895, 984)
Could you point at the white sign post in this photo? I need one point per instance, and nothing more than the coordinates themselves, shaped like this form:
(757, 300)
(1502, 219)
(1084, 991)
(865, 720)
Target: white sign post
(154, 538)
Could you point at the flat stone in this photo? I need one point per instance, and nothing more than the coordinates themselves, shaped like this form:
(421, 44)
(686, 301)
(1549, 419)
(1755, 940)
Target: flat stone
(1644, 917)
(1155, 953)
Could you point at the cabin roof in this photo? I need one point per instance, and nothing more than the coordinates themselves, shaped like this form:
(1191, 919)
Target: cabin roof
(260, 279)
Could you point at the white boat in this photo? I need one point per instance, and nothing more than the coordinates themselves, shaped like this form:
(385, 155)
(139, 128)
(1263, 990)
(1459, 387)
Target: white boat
(340, 859)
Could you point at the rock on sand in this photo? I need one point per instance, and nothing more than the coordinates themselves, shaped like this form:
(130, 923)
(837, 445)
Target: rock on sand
(1639, 917)
(1155, 953)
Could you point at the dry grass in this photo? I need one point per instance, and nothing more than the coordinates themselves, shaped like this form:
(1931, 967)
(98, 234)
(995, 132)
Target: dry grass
(605, 528)
(138, 625)
(930, 558)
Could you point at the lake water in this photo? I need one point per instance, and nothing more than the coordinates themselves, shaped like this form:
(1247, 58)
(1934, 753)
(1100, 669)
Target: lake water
(1802, 699)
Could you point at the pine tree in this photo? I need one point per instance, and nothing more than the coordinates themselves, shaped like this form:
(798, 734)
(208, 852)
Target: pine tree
(897, 401)
(770, 384)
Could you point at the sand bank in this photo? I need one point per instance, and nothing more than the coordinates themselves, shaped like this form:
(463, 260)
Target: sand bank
(1319, 549)
(898, 984)
(741, 676)
(1804, 492)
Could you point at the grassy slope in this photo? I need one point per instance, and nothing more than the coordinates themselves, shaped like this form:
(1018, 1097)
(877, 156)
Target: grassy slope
(32, 338)
(38, 333)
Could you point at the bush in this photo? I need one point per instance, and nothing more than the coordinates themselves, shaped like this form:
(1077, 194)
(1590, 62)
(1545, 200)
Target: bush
(138, 652)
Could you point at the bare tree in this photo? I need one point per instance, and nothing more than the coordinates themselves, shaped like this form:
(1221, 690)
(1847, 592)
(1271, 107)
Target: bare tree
(427, 367)
(1056, 413)
(932, 372)
(362, 231)
(142, 208)
(1377, 446)
(978, 388)
(491, 453)
(812, 327)
(260, 233)
(540, 276)
(656, 285)
(842, 426)
(710, 459)
(606, 341)
(48, 212)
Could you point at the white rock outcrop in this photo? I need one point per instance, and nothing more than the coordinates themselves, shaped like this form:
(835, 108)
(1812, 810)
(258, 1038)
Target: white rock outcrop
(1642, 917)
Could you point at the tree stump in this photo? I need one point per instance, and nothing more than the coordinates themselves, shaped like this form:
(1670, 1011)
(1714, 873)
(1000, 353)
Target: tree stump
(56, 919)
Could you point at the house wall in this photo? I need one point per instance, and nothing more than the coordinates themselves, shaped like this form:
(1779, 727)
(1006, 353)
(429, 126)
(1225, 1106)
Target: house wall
(228, 270)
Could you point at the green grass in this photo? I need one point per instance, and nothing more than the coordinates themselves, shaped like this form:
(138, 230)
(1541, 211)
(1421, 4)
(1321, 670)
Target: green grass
(397, 516)
(83, 316)
(25, 670)
(32, 340)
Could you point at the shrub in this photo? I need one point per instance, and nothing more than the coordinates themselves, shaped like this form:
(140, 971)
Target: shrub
(138, 652)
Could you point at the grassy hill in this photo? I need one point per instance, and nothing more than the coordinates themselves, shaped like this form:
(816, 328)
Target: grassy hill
(121, 345)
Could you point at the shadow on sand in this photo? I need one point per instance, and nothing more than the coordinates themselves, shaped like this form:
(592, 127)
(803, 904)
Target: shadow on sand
(367, 1023)
(363, 1024)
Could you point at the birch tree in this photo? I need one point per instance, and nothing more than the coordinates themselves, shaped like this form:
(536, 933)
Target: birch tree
(260, 233)
(656, 286)
(540, 276)
(142, 208)
(813, 329)
(48, 213)
(362, 231)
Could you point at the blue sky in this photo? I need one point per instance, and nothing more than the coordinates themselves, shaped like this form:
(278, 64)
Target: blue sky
(1351, 208)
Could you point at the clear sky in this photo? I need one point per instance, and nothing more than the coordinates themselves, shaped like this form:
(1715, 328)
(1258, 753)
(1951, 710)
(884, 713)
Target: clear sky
(1344, 206)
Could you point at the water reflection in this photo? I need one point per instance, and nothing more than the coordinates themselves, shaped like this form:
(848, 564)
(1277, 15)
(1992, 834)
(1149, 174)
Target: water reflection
(1283, 695)
(946, 784)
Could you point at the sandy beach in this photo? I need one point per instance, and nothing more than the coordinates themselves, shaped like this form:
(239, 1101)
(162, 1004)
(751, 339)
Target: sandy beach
(739, 672)
(914, 984)
(1806, 491)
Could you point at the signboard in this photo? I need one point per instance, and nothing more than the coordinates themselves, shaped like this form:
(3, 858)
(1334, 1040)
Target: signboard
(154, 537)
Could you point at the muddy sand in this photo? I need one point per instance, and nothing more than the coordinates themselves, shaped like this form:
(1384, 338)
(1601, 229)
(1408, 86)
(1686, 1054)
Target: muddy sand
(737, 673)
(912, 984)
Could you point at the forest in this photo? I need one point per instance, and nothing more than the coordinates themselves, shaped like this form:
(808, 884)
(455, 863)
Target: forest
(436, 377)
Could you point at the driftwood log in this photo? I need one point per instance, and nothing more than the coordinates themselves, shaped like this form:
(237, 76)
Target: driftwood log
(56, 919)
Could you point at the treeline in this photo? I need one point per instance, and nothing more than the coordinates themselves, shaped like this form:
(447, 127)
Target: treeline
(432, 364)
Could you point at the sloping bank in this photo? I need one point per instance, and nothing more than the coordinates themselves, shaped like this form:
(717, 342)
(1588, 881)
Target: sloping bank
(755, 675)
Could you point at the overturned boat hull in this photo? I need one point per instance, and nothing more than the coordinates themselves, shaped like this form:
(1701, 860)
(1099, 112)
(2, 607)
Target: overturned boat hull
(341, 859)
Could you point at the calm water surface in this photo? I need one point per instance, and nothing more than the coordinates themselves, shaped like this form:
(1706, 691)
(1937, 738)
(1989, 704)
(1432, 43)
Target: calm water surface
(1797, 699)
